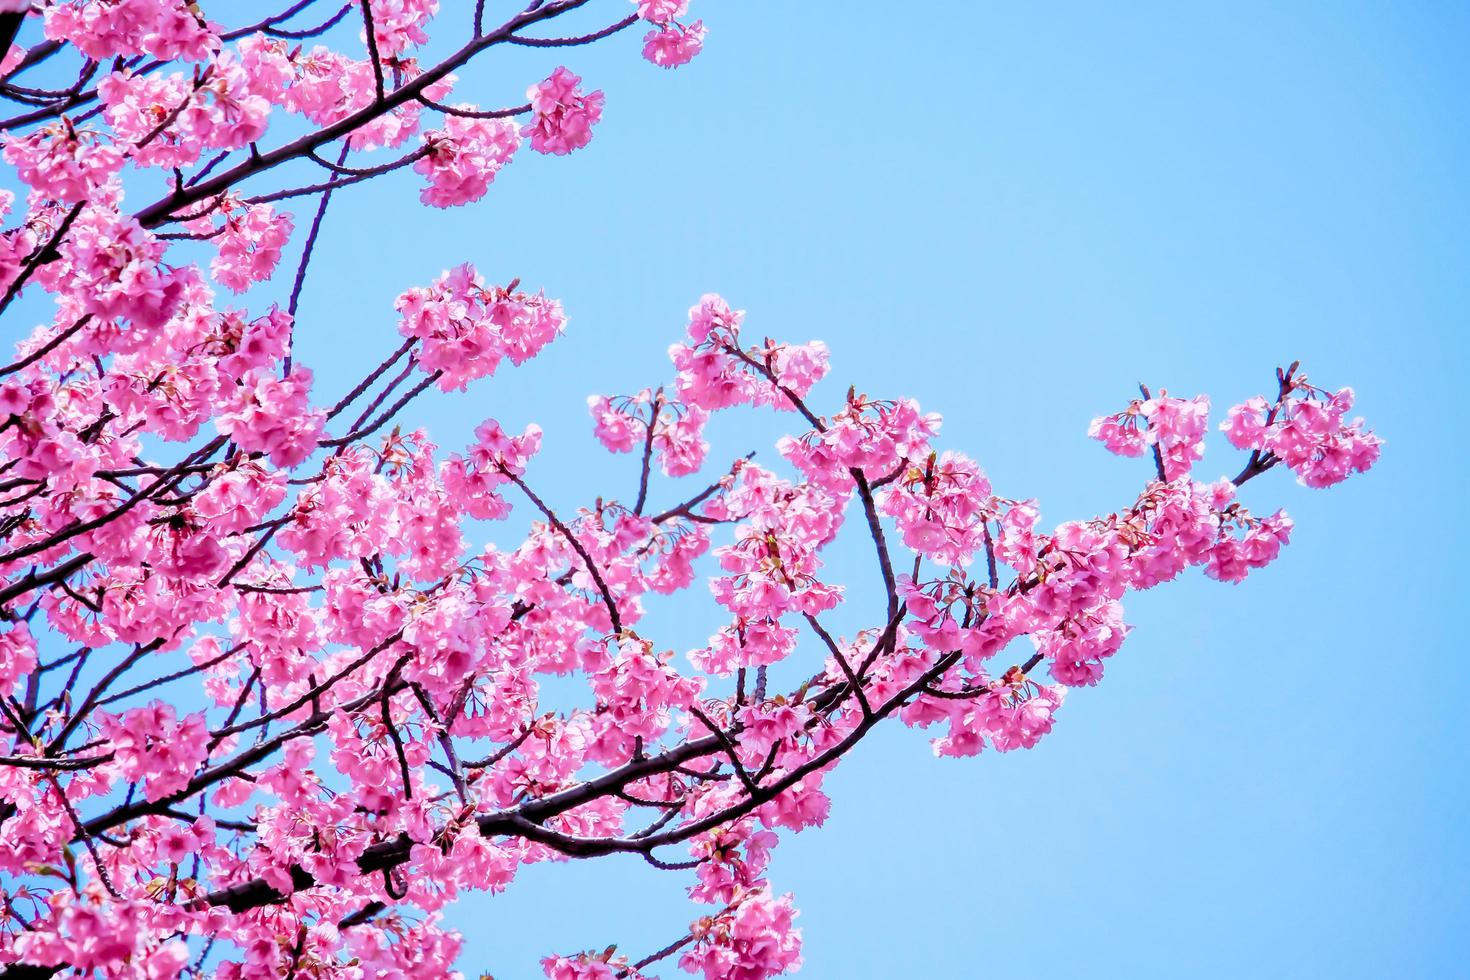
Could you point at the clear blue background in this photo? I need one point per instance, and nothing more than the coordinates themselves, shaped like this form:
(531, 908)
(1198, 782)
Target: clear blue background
(1015, 217)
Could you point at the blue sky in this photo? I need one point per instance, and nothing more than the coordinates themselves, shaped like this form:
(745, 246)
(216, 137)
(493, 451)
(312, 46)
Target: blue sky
(1015, 217)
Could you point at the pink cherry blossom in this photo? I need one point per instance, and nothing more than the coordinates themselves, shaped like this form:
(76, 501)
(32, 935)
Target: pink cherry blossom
(661, 11)
(674, 44)
(61, 162)
(467, 327)
(272, 415)
(153, 748)
(400, 24)
(563, 115)
(1306, 429)
(616, 427)
(276, 697)
(464, 157)
(1173, 427)
(106, 29)
(250, 241)
(17, 656)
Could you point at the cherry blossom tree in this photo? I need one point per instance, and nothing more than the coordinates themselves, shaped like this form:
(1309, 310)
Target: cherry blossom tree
(264, 711)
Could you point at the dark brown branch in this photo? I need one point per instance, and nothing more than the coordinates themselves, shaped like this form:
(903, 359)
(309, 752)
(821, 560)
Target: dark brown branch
(42, 254)
(306, 252)
(655, 410)
(566, 42)
(372, 46)
(9, 28)
(382, 420)
(852, 679)
(309, 32)
(450, 110)
(577, 546)
(163, 210)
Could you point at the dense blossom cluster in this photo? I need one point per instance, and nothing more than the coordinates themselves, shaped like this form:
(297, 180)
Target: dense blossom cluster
(268, 704)
(1306, 429)
(61, 163)
(249, 239)
(464, 327)
(398, 25)
(1173, 427)
(104, 29)
(464, 157)
(563, 116)
(671, 43)
(674, 431)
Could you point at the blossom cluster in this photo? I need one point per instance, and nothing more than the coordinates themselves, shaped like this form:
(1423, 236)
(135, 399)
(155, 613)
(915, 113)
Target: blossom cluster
(465, 327)
(673, 431)
(153, 748)
(1173, 427)
(372, 623)
(272, 703)
(671, 43)
(249, 239)
(562, 115)
(1308, 430)
(105, 29)
(463, 158)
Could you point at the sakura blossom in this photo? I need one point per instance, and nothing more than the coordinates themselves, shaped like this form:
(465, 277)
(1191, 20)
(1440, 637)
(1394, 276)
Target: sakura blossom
(270, 703)
(563, 114)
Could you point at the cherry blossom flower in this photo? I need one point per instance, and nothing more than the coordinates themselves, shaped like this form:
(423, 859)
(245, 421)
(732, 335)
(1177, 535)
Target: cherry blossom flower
(562, 115)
